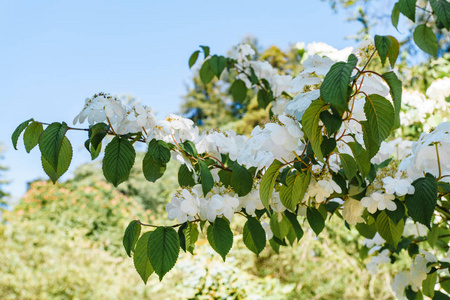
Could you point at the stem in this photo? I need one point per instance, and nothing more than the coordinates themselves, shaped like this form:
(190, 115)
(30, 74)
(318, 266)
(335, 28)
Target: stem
(68, 128)
(368, 61)
(112, 129)
(438, 161)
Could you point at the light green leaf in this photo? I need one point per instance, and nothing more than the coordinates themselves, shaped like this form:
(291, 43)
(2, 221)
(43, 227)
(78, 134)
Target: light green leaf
(206, 177)
(254, 235)
(191, 236)
(395, 89)
(315, 220)
(334, 89)
(31, 135)
(422, 203)
(241, 180)
(206, 73)
(393, 50)
(268, 181)
(220, 237)
(239, 91)
(380, 116)
(131, 236)
(425, 39)
(395, 15)
(140, 258)
(311, 128)
(293, 193)
(408, 8)
(428, 284)
(18, 131)
(388, 230)
(349, 165)
(362, 158)
(279, 228)
(442, 10)
(218, 64)
(190, 148)
(163, 249)
(64, 159)
(50, 142)
(185, 177)
(118, 160)
(193, 58)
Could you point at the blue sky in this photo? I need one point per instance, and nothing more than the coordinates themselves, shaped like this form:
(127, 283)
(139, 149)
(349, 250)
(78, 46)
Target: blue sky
(54, 54)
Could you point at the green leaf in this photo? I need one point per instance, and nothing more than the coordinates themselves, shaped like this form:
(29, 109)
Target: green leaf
(163, 249)
(191, 236)
(293, 193)
(395, 15)
(428, 284)
(190, 148)
(367, 231)
(268, 181)
(218, 64)
(334, 89)
(193, 58)
(153, 169)
(370, 139)
(328, 145)
(264, 98)
(442, 10)
(254, 235)
(408, 8)
(438, 295)
(97, 133)
(239, 91)
(205, 50)
(18, 131)
(383, 44)
(398, 214)
(31, 135)
(388, 230)
(206, 73)
(433, 235)
(159, 150)
(395, 89)
(422, 203)
(295, 224)
(380, 116)
(315, 220)
(118, 160)
(280, 228)
(141, 259)
(362, 158)
(131, 236)
(64, 159)
(425, 39)
(332, 122)
(349, 165)
(241, 180)
(220, 237)
(50, 142)
(393, 50)
(311, 128)
(205, 177)
(185, 177)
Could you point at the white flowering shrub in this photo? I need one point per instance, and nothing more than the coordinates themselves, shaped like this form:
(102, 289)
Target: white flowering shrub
(322, 154)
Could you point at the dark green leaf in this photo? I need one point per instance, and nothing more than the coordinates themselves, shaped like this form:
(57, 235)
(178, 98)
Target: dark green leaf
(18, 131)
(118, 161)
(163, 249)
(408, 8)
(349, 165)
(153, 169)
(241, 180)
(425, 39)
(295, 189)
(220, 237)
(97, 133)
(380, 116)
(185, 177)
(218, 64)
(362, 158)
(442, 10)
(238, 91)
(190, 148)
(398, 213)
(393, 50)
(205, 177)
(205, 50)
(31, 135)
(193, 58)
(315, 220)
(367, 231)
(141, 259)
(264, 98)
(334, 89)
(440, 295)
(370, 139)
(332, 122)
(254, 235)
(159, 150)
(395, 89)
(383, 44)
(268, 181)
(131, 236)
(206, 73)
(50, 142)
(388, 230)
(295, 224)
(422, 203)
(191, 236)
(328, 145)
(395, 15)
(64, 159)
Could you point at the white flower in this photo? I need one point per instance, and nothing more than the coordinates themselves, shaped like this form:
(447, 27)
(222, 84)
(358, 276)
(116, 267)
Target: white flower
(439, 89)
(251, 202)
(372, 84)
(174, 210)
(100, 109)
(418, 271)
(401, 281)
(382, 257)
(297, 106)
(267, 229)
(322, 189)
(398, 186)
(352, 211)
(380, 201)
(414, 229)
(377, 240)
(242, 52)
(230, 203)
